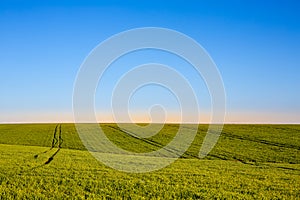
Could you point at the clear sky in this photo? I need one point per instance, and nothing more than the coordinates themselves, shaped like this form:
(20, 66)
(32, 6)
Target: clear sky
(255, 44)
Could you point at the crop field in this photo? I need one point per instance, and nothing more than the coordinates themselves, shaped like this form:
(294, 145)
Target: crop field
(49, 161)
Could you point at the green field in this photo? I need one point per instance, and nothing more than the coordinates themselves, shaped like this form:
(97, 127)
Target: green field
(48, 161)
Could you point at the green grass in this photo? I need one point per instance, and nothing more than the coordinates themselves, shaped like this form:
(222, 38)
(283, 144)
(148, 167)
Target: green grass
(248, 162)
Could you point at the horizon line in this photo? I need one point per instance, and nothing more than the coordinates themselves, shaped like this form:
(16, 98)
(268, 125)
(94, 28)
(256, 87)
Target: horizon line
(139, 122)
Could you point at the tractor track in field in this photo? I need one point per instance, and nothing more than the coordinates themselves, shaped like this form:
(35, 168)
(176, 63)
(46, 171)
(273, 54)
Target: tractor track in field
(54, 140)
(57, 141)
(290, 146)
(262, 141)
(153, 143)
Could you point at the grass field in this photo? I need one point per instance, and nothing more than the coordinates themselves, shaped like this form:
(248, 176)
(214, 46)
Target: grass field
(48, 161)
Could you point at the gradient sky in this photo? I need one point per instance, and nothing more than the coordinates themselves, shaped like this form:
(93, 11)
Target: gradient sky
(255, 44)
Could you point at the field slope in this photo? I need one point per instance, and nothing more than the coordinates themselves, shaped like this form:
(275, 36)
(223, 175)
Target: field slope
(48, 161)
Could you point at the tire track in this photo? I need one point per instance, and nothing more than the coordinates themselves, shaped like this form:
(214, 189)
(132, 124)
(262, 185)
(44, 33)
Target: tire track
(262, 141)
(53, 143)
(54, 140)
(290, 146)
(154, 143)
(57, 142)
(57, 139)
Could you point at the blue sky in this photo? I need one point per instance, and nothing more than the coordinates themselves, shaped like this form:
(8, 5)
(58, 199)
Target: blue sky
(255, 44)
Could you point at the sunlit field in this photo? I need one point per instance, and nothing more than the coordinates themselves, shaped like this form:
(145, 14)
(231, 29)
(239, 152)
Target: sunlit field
(249, 161)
